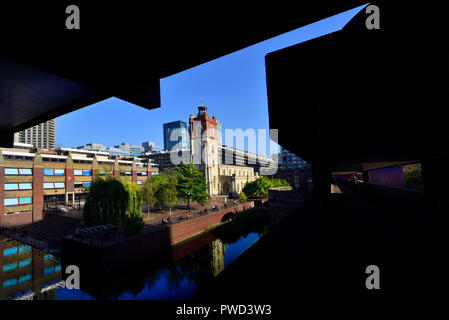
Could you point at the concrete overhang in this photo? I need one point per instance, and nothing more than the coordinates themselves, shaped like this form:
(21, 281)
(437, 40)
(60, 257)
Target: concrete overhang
(362, 99)
(122, 50)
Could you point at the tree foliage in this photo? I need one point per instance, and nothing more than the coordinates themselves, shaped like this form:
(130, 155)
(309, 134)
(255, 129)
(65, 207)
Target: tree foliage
(260, 186)
(413, 176)
(134, 196)
(191, 184)
(107, 201)
(161, 189)
(242, 197)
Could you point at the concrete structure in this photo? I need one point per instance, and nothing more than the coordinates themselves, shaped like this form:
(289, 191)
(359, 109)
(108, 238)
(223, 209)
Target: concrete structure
(176, 136)
(41, 136)
(32, 179)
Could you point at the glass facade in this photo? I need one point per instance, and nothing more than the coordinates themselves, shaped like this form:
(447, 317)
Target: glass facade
(176, 136)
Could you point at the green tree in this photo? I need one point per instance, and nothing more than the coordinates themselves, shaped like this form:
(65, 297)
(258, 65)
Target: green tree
(191, 184)
(133, 222)
(260, 186)
(413, 176)
(134, 197)
(161, 189)
(242, 197)
(107, 201)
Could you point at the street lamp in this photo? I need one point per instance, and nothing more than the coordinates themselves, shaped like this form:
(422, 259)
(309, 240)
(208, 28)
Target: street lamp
(56, 200)
(188, 199)
(79, 199)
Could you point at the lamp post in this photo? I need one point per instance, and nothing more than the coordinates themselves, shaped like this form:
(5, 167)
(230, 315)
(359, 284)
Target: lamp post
(56, 200)
(188, 201)
(79, 199)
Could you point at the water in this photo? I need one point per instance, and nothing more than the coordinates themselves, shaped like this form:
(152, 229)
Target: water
(27, 273)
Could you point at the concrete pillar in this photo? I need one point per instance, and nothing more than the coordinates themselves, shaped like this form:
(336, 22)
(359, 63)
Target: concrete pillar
(116, 169)
(134, 172)
(321, 178)
(436, 189)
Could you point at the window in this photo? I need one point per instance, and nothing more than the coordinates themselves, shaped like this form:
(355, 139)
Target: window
(11, 202)
(86, 184)
(25, 200)
(78, 184)
(78, 172)
(25, 186)
(48, 172)
(11, 171)
(25, 172)
(59, 172)
(48, 185)
(128, 173)
(59, 185)
(11, 186)
(86, 172)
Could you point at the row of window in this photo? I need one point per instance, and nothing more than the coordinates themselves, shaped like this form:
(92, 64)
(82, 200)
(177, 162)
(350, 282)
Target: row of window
(141, 173)
(82, 172)
(85, 184)
(17, 201)
(54, 172)
(18, 172)
(18, 186)
(54, 185)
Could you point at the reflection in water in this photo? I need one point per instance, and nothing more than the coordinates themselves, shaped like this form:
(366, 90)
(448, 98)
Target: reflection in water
(27, 273)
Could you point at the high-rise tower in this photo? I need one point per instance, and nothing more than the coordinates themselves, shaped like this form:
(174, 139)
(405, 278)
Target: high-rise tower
(41, 136)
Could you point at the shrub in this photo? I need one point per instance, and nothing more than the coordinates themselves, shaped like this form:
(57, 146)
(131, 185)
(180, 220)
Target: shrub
(242, 197)
(133, 224)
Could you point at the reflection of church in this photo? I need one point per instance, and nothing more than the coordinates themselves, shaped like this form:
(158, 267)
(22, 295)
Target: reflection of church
(207, 154)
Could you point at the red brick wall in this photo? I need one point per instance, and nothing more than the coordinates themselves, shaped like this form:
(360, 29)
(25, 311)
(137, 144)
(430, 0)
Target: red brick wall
(69, 180)
(134, 176)
(117, 174)
(189, 228)
(38, 193)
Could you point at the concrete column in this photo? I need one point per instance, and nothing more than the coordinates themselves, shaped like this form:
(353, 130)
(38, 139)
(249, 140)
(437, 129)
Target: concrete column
(321, 178)
(116, 169)
(134, 172)
(436, 189)
(38, 188)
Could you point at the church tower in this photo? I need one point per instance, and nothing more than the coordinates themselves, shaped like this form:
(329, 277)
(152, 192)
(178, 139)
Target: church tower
(204, 147)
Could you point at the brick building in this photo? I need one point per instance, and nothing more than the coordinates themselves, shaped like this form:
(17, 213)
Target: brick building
(30, 179)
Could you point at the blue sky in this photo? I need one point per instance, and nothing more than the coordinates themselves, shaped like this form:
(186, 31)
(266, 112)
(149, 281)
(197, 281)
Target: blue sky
(233, 87)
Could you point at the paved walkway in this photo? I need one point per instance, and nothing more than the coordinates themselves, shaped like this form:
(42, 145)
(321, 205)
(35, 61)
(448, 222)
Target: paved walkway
(155, 217)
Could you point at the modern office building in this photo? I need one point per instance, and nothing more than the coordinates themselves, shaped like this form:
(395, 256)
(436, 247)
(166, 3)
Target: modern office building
(150, 146)
(176, 136)
(34, 179)
(41, 136)
(288, 160)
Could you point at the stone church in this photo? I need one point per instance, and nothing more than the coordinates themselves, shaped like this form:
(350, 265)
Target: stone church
(207, 155)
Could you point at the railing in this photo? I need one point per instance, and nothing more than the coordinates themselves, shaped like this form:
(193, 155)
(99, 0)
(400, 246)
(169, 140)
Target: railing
(15, 233)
